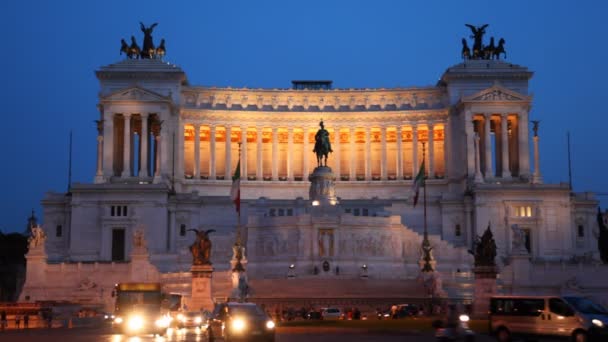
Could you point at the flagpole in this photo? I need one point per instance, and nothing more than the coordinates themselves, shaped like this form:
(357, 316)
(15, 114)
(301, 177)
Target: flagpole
(238, 226)
(424, 190)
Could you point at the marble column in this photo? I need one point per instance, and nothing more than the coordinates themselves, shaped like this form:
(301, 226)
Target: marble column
(99, 173)
(212, 138)
(489, 171)
(197, 152)
(290, 153)
(505, 146)
(478, 175)
(126, 165)
(383, 153)
(414, 151)
(157, 171)
(537, 178)
(243, 155)
(275, 153)
(399, 159)
(524, 147)
(353, 154)
(431, 149)
(305, 157)
(228, 141)
(368, 154)
(337, 155)
(470, 144)
(109, 149)
(145, 136)
(259, 174)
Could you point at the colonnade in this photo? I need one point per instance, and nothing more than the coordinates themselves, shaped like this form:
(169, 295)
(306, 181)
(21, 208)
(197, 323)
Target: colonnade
(390, 152)
(498, 140)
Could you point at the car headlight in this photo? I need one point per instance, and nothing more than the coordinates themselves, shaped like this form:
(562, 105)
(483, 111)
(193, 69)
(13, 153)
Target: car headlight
(198, 320)
(163, 322)
(118, 320)
(597, 322)
(238, 324)
(135, 323)
(464, 318)
(270, 325)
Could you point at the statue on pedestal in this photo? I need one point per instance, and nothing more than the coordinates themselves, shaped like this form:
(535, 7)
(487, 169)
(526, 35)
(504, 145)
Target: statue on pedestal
(201, 248)
(322, 145)
(518, 245)
(37, 238)
(484, 249)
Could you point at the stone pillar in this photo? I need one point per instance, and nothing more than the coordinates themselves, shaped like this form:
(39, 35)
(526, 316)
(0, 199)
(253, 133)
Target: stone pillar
(431, 149)
(322, 187)
(157, 171)
(201, 288)
(353, 154)
(108, 147)
(290, 153)
(259, 174)
(399, 159)
(505, 145)
(383, 154)
(537, 178)
(228, 169)
(468, 227)
(485, 287)
(306, 154)
(336, 153)
(180, 150)
(126, 167)
(414, 151)
(471, 149)
(368, 154)
(212, 171)
(197, 152)
(144, 137)
(243, 153)
(478, 175)
(275, 153)
(489, 172)
(99, 174)
(524, 146)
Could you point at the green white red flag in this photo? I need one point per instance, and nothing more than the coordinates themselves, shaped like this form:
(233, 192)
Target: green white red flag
(235, 191)
(418, 182)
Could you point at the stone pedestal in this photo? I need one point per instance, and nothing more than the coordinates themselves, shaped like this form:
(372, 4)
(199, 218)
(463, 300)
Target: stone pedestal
(485, 287)
(201, 288)
(322, 188)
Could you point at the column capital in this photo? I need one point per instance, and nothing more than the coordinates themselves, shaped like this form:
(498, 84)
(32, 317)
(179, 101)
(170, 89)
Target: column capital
(144, 115)
(415, 128)
(127, 115)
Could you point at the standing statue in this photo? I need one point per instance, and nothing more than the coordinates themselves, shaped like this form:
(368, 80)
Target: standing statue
(37, 238)
(477, 36)
(322, 145)
(148, 49)
(484, 249)
(602, 238)
(518, 244)
(201, 248)
(535, 127)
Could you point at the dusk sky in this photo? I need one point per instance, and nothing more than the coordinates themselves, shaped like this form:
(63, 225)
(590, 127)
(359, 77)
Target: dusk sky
(50, 50)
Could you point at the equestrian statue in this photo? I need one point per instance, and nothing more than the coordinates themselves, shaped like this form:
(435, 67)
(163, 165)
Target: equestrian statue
(322, 145)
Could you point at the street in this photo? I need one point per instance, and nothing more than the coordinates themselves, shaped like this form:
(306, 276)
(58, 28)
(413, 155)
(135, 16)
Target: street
(283, 335)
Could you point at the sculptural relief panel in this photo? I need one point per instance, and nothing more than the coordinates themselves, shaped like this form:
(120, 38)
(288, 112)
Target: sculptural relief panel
(369, 244)
(276, 243)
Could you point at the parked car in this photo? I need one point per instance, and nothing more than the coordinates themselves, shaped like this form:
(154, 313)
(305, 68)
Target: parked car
(454, 328)
(314, 315)
(240, 321)
(572, 317)
(331, 313)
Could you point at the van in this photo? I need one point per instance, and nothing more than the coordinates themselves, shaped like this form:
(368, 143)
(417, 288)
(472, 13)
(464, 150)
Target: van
(568, 317)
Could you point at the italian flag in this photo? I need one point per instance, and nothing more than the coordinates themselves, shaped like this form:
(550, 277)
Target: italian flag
(235, 191)
(418, 182)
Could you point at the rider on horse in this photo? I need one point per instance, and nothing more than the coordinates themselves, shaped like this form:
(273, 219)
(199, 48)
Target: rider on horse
(322, 145)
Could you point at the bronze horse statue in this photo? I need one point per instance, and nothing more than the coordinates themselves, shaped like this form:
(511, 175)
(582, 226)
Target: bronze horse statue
(322, 145)
(160, 50)
(134, 50)
(488, 51)
(499, 49)
(124, 47)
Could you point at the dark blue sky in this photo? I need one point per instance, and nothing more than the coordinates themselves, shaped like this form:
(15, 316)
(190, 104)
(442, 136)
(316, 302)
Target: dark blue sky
(50, 50)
